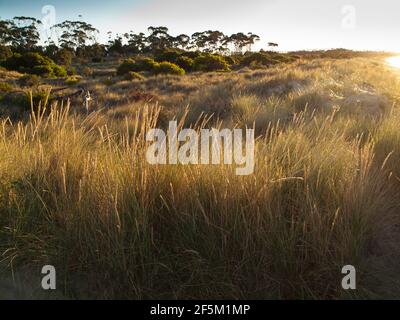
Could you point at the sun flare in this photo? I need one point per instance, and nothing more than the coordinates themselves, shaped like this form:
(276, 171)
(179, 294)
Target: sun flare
(394, 61)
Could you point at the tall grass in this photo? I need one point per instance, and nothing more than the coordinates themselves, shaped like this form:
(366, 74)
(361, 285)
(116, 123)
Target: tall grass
(78, 194)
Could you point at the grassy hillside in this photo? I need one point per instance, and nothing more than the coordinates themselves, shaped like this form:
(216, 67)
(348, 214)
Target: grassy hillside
(76, 190)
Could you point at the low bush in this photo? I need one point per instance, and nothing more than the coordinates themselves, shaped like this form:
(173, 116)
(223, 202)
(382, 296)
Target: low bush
(71, 71)
(192, 54)
(5, 52)
(185, 63)
(170, 55)
(130, 65)
(265, 59)
(148, 65)
(42, 70)
(64, 57)
(126, 66)
(232, 60)
(196, 61)
(72, 80)
(34, 63)
(133, 76)
(59, 71)
(5, 87)
(210, 63)
(257, 59)
(169, 68)
(178, 57)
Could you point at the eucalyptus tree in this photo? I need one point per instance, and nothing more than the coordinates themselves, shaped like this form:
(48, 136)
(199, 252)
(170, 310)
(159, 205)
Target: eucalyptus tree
(115, 44)
(181, 41)
(159, 39)
(5, 38)
(198, 41)
(239, 41)
(26, 33)
(208, 41)
(6, 27)
(21, 33)
(137, 43)
(251, 40)
(215, 40)
(272, 45)
(95, 52)
(75, 34)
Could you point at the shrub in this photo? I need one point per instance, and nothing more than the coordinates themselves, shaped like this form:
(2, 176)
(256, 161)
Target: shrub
(5, 87)
(64, 57)
(126, 66)
(42, 70)
(192, 54)
(29, 80)
(265, 59)
(71, 71)
(284, 58)
(130, 65)
(232, 60)
(34, 63)
(185, 63)
(257, 59)
(146, 64)
(5, 53)
(210, 63)
(70, 81)
(133, 76)
(59, 71)
(33, 59)
(169, 68)
(11, 63)
(170, 55)
(94, 53)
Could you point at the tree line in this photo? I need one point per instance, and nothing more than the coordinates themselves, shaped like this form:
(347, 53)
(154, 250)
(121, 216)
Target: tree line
(21, 34)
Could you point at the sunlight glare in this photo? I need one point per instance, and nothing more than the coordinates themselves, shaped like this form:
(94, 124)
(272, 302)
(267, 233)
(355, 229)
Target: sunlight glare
(394, 62)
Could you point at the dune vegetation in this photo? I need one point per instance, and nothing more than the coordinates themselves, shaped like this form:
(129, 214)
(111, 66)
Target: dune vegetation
(76, 191)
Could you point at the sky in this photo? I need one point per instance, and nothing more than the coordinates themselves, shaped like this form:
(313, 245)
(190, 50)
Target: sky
(293, 24)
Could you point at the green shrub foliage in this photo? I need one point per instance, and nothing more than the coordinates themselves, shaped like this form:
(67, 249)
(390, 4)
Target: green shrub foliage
(149, 65)
(133, 76)
(210, 62)
(169, 68)
(34, 63)
(185, 63)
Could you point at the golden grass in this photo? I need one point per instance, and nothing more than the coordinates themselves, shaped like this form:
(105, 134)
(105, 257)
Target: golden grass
(76, 192)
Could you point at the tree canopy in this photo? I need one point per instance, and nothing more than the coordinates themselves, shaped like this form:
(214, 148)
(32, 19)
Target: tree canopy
(78, 38)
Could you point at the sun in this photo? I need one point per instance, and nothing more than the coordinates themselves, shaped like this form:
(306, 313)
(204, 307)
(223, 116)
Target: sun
(394, 62)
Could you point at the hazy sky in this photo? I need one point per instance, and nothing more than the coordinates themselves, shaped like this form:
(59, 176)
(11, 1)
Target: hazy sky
(294, 24)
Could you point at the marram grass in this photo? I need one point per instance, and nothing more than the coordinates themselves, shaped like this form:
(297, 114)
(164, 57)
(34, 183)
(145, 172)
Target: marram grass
(77, 193)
